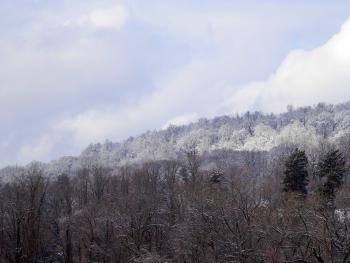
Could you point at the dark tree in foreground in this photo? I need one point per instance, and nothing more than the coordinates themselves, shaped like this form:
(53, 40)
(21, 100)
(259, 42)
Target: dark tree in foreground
(296, 174)
(332, 169)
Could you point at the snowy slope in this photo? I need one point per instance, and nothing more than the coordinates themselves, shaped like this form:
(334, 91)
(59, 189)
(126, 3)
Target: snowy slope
(309, 128)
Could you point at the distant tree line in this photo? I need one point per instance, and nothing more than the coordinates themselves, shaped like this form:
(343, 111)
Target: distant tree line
(309, 128)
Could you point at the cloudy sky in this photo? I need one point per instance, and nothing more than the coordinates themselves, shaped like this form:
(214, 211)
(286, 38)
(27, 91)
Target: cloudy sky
(74, 72)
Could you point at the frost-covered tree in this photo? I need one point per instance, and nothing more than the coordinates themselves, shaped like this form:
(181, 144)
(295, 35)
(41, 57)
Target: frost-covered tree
(325, 123)
(299, 135)
(262, 140)
(296, 174)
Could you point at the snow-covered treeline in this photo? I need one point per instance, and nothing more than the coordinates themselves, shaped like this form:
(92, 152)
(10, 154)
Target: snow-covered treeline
(309, 128)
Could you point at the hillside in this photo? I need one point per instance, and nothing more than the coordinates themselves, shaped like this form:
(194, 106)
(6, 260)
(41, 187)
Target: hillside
(306, 127)
(309, 128)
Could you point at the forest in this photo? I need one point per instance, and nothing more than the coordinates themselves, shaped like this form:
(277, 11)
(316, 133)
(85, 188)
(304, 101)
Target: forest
(174, 131)
(287, 203)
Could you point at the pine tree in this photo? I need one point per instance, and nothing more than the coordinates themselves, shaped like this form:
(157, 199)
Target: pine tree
(296, 174)
(332, 168)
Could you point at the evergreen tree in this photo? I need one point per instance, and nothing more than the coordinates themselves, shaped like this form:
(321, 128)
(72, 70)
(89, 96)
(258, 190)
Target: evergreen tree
(332, 168)
(296, 174)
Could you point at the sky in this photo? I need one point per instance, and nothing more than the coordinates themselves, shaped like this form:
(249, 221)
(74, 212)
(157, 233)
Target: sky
(75, 72)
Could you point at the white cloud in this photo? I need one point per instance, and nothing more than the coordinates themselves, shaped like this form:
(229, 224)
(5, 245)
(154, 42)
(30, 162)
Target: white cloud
(38, 151)
(114, 17)
(303, 78)
(181, 120)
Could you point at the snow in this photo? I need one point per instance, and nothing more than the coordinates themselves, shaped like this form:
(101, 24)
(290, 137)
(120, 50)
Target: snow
(307, 128)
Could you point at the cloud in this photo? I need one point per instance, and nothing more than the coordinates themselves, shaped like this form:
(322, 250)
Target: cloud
(114, 17)
(116, 70)
(303, 78)
(38, 151)
(181, 120)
